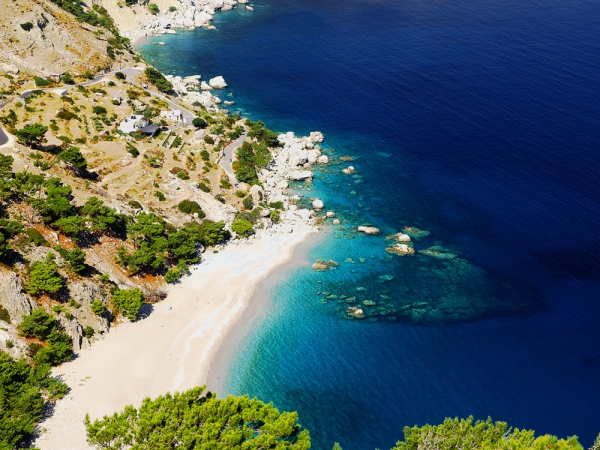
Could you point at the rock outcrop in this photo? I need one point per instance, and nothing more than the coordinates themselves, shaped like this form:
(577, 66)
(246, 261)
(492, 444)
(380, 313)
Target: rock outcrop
(13, 297)
(369, 230)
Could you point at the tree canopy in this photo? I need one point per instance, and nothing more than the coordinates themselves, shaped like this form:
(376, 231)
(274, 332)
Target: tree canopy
(458, 434)
(31, 135)
(193, 420)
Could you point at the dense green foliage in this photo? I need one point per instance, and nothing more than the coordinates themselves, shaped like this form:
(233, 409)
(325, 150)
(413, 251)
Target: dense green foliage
(98, 307)
(191, 207)
(75, 258)
(248, 203)
(458, 434)
(31, 135)
(199, 122)
(193, 421)
(39, 324)
(158, 79)
(43, 278)
(22, 392)
(27, 26)
(259, 131)
(251, 157)
(128, 302)
(242, 227)
(73, 157)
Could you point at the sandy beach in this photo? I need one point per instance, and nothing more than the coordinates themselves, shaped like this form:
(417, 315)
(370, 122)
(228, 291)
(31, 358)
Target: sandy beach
(169, 350)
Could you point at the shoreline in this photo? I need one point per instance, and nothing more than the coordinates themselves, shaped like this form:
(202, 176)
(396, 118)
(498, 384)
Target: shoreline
(173, 346)
(224, 354)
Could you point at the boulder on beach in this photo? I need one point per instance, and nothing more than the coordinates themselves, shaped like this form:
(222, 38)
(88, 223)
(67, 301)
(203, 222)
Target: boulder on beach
(318, 204)
(369, 230)
(217, 83)
(401, 250)
(321, 265)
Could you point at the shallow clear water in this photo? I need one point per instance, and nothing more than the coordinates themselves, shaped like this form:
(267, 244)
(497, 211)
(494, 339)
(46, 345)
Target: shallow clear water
(474, 120)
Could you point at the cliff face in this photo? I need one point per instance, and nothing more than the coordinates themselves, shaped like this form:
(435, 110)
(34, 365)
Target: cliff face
(53, 43)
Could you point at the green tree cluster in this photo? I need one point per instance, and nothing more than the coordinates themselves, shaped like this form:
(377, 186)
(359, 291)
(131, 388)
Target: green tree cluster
(128, 302)
(251, 158)
(191, 207)
(242, 227)
(43, 278)
(42, 325)
(259, 131)
(193, 420)
(22, 392)
(158, 79)
(31, 135)
(74, 159)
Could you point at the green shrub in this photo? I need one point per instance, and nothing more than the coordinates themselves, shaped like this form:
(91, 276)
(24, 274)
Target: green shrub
(153, 8)
(31, 135)
(98, 307)
(248, 203)
(37, 238)
(75, 258)
(172, 9)
(275, 217)
(9, 343)
(88, 331)
(205, 155)
(276, 205)
(99, 110)
(132, 150)
(4, 315)
(157, 78)
(209, 140)
(135, 204)
(191, 207)
(88, 75)
(160, 196)
(120, 76)
(73, 157)
(60, 349)
(203, 187)
(172, 275)
(39, 324)
(67, 78)
(41, 82)
(199, 122)
(43, 278)
(240, 194)
(128, 302)
(27, 26)
(66, 115)
(242, 227)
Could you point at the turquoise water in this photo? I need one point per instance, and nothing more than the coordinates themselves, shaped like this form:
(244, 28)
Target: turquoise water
(475, 121)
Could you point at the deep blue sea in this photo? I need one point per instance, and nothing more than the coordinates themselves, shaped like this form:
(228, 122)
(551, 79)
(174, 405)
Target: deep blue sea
(477, 121)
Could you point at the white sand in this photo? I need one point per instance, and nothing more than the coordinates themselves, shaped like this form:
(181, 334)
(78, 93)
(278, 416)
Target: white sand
(169, 350)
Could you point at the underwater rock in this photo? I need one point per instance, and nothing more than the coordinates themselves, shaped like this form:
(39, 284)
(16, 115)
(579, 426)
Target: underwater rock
(369, 230)
(330, 214)
(349, 170)
(355, 311)
(336, 222)
(321, 265)
(438, 252)
(417, 315)
(347, 158)
(361, 289)
(386, 278)
(416, 233)
(401, 250)
(369, 303)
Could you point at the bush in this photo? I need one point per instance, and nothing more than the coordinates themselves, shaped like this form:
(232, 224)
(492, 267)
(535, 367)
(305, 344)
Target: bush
(209, 140)
(128, 302)
(276, 205)
(191, 207)
(39, 324)
(35, 237)
(199, 122)
(66, 115)
(27, 26)
(248, 203)
(99, 110)
(60, 349)
(172, 275)
(43, 278)
(120, 76)
(275, 217)
(88, 331)
(242, 227)
(132, 150)
(153, 8)
(203, 187)
(199, 421)
(157, 78)
(172, 9)
(135, 204)
(98, 307)
(75, 258)
(160, 196)
(73, 157)
(4, 315)
(67, 78)
(31, 135)
(41, 82)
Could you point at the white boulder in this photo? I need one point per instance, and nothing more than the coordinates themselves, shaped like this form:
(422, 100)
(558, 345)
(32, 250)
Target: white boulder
(318, 204)
(369, 230)
(218, 82)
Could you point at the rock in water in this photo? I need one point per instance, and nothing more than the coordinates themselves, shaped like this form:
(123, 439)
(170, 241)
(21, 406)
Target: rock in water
(349, 170)
(336, 221)
(401, 250)
(217, 83)
(318, 204)
(321, 265)
(400, 237)
(416, 233)
(369, 230)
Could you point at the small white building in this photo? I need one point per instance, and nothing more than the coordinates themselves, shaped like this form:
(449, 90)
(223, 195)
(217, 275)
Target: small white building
(173, 115)
(133, 123)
